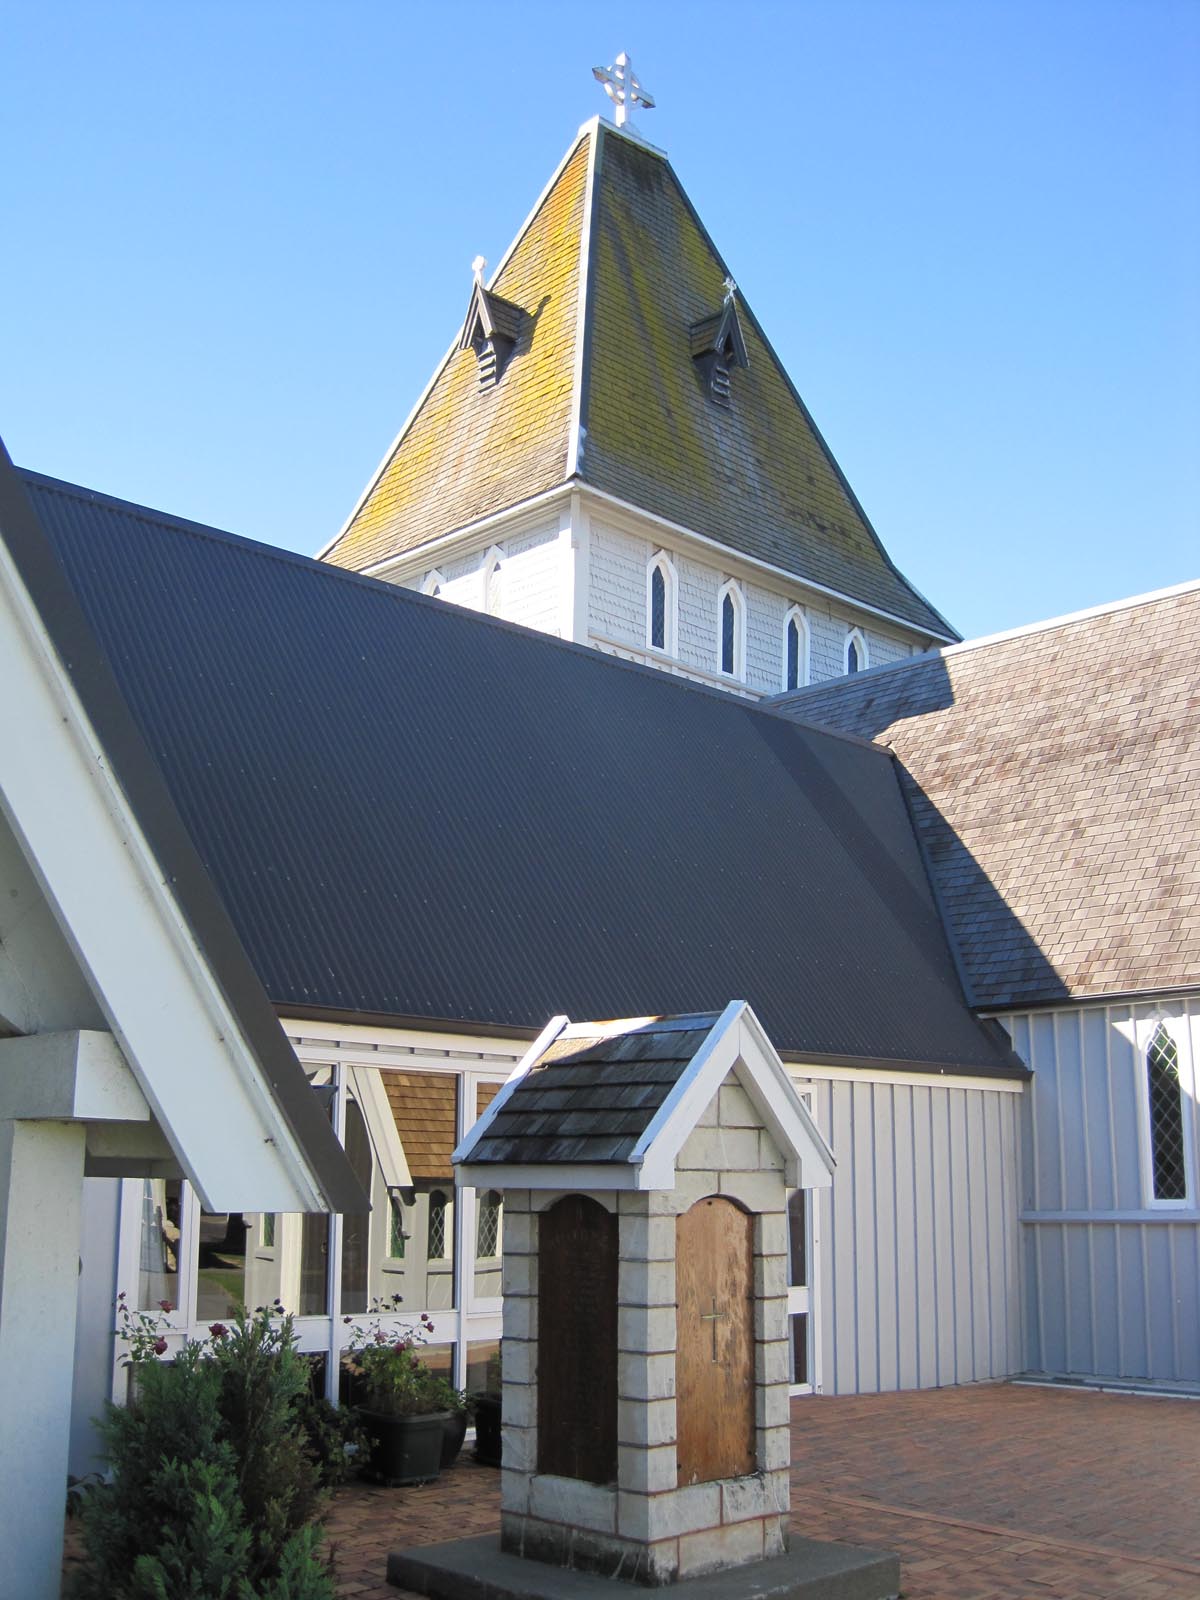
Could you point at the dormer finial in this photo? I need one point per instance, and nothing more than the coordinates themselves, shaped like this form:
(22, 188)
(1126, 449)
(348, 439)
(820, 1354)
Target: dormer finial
(624, 89)
(479, 267)
(730, 290)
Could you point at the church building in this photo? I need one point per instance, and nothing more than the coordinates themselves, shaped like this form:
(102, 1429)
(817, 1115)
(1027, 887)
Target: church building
(608, 702)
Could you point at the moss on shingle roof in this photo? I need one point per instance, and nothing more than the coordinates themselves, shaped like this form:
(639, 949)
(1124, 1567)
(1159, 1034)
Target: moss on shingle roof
(755, 476)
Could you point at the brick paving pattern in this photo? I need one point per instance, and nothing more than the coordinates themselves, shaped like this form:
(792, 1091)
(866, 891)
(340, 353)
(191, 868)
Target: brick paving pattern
(994, 1492)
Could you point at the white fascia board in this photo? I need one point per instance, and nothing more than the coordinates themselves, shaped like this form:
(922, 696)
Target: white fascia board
(737, 1040)
(513, 519)
(737, 561)
(933, 1079)
(575, 441)
(425, 392)
(788, 1119)
(466, 1149)
(564, 1175)
(133, 945)
(689, 1098)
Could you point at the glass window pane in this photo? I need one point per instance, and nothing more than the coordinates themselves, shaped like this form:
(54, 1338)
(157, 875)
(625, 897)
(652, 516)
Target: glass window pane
(221, 1276)
(658, 609)
(158, 1268)
(483, 1367)
(1166, 1117)
(798, 1239)
(728, 622)
(793, 654)
(356, 1229)
(799, 1342)
(852, 662)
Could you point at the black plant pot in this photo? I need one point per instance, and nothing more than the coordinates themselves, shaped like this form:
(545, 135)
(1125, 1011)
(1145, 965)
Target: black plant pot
(404, 1449)
(454, 1430)
(487, 1429)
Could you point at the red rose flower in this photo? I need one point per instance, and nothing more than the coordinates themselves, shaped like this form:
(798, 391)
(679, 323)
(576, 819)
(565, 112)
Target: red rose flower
(218, 1330)
(159, 1347)
(166, 1305)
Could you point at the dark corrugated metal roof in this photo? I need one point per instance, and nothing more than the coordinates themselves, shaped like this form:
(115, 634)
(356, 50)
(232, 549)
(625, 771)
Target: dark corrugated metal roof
(591, 1098)
(412, 810)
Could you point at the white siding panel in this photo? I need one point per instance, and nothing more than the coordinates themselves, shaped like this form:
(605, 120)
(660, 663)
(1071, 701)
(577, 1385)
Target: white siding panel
(918, 1277)
(1112, 1281)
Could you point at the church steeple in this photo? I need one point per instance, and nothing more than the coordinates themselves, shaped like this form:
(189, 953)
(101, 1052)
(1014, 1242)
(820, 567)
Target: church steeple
(612, 351)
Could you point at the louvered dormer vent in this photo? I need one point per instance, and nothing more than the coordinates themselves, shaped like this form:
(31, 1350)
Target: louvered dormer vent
(717, 347)
(492, 329)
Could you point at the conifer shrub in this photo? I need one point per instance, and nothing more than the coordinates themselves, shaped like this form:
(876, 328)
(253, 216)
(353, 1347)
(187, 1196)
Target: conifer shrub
(213, 1485)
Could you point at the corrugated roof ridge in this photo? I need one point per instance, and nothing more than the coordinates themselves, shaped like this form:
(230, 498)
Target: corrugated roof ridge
(327, 571)
(819, 437)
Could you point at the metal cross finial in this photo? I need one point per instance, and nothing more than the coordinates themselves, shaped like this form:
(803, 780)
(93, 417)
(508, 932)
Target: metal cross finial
(623, 88)
(479, 267)
(730, 289)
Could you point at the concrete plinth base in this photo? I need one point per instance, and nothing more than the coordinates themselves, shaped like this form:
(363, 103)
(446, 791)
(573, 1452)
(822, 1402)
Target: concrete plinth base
(477, 1569)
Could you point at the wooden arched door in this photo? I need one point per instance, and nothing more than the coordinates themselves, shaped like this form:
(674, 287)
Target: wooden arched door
(577, 1340)
(714, 1362)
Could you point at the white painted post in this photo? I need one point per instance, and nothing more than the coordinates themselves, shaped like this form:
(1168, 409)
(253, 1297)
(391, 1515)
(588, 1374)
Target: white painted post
(41, 1185)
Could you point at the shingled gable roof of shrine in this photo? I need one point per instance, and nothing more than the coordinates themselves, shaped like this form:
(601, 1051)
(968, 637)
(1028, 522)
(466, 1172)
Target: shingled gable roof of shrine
(416, 813)
(623, 1096)
(1054, 776)
(617, 279)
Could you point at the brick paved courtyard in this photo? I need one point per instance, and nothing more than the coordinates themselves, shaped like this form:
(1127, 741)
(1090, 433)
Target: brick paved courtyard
(995, 1492)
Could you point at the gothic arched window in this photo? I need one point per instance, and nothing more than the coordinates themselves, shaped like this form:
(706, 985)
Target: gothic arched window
(660, 603)
(492, 577)
(795, 650)
(1164, 1099)
(856, 651)
(731, 631)
(436, 1236)
(433, 584)
(487, 1224)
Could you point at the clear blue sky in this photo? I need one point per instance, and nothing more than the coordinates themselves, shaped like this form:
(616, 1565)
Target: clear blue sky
(237, 241)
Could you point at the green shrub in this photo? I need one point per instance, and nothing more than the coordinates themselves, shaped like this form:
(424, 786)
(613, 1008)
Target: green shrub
(213, 1483)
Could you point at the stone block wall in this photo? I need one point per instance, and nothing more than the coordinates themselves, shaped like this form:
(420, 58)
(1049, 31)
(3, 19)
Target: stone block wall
(645, 1527)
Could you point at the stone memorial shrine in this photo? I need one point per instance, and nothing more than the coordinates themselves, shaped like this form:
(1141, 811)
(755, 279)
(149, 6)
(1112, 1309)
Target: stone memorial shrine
(646, 1166)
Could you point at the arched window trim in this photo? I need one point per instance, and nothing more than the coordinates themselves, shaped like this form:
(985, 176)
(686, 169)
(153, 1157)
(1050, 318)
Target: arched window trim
(433, 584)
(1147, 1042)
(858, 639)
(660, 561)
(796, 614)
(491, 595)
(733, 589)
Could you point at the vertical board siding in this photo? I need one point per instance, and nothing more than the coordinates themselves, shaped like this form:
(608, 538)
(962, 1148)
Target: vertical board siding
(918, 1276)
(1111, 1282)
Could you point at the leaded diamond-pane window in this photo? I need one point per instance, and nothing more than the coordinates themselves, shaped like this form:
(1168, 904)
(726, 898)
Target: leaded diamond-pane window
(658, 609)
(437, 1226)
(1166, 1117)
(487, 1232)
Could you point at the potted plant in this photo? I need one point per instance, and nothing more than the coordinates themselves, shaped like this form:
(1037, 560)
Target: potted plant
(486, 1405)
(405, 1406)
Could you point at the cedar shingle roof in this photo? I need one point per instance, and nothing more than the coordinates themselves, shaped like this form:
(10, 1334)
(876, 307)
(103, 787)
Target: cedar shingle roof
(755, 475)
(591, 1099)
(1055, 779)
